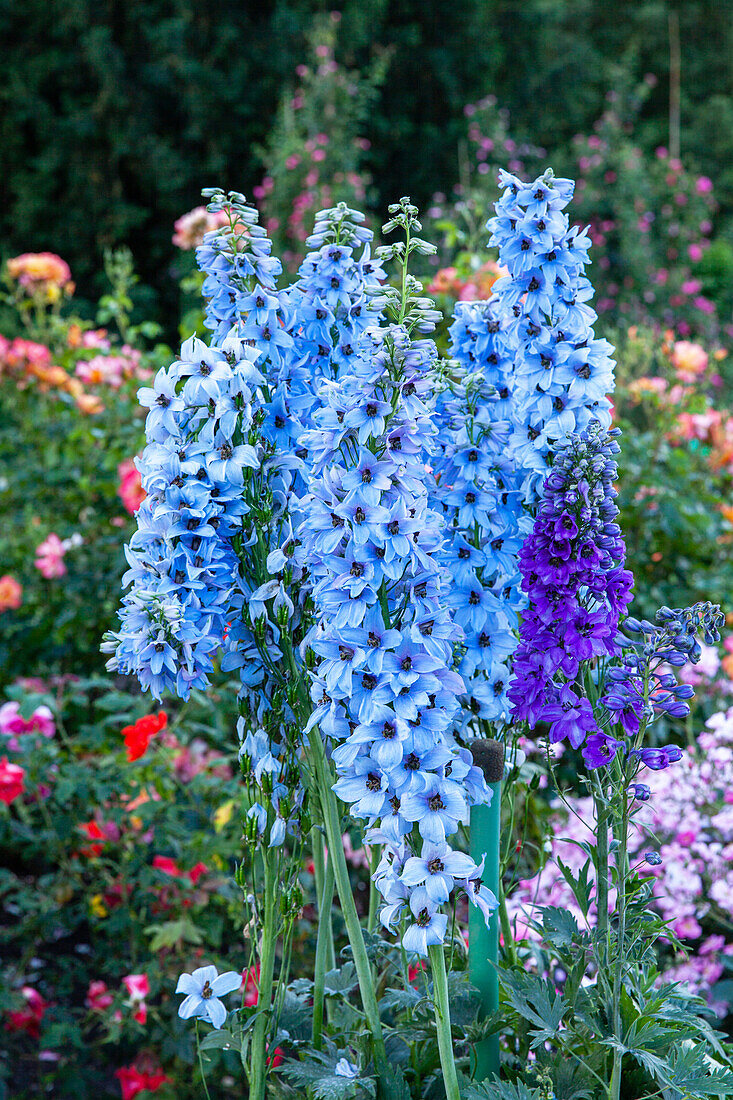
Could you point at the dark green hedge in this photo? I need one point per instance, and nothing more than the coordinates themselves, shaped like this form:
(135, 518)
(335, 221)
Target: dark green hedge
(114, 113)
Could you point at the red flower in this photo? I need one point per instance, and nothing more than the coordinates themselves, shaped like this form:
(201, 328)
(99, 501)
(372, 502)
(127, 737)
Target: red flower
(137, 737)
(276, 1058)
(138, 987)
(167, 865)
(132, 1081)
(130, 489)
(93, 831)
(413, 971)
(196, 872)
(12, 779)
(98, 996)
(28, 1019)
(251, 985)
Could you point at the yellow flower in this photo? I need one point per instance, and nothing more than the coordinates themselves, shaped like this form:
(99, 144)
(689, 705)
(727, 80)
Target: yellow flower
(223, 815)
(97, 907)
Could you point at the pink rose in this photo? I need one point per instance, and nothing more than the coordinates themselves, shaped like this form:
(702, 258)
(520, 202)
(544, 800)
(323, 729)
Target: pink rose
(50, 558)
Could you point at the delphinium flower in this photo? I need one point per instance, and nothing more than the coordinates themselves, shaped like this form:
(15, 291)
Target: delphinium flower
(477, 488)
(562, 372)
(182, 575)
(577, 589)
(204, 989)
(384, 690)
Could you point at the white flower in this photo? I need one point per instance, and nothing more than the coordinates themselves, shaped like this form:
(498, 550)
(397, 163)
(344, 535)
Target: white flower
(344, 1068)
(203, 989)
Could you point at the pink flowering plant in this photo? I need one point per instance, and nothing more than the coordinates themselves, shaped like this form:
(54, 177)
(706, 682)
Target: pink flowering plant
(316, 153)
(116, 872)
(69, 385)
(676, 479)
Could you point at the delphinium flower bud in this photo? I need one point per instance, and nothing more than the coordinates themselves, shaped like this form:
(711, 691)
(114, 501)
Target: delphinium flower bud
(640, 686)
(573, 575)
(478, 490)
(384, 692)
(234, 258)
(562, 372)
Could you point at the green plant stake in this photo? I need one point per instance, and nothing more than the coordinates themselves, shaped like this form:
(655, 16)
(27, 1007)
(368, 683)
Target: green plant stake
(483, 942)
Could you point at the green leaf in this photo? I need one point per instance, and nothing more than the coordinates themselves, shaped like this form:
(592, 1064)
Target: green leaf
(343, 980)
(219, 1039)
(395, 1084)
(498, 1090)
(580, 886)
(559, 926)
(537, 1001)
(172, 933)
(325, 1083)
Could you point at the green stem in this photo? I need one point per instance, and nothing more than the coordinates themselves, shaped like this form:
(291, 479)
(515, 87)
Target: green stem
(602, 863)
(442, 1022)
(621, 875)
(373, 892)
(201, 1061)
(323, 942)
(320, 854)
(509, 946)
(258, 1073)
(332, 823)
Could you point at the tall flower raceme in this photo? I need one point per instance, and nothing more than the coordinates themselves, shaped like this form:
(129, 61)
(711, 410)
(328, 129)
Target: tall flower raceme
(264, 634)
(385, 691)
(562, 373)
(574, 671)
(478, 489)
(217, 500)
(241, 292)
(592, 686)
